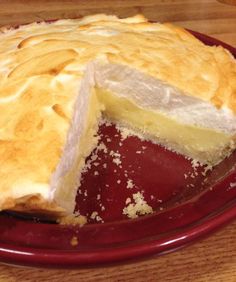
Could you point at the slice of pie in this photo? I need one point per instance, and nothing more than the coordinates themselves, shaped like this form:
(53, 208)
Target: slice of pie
(58, 79)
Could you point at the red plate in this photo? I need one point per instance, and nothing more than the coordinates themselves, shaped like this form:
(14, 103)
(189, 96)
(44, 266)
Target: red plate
(187, 206)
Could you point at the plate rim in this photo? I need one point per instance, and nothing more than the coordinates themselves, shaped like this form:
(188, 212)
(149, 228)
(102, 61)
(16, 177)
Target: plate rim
(73, 258)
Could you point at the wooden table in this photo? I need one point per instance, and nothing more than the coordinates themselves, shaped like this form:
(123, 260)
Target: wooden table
(212, 259)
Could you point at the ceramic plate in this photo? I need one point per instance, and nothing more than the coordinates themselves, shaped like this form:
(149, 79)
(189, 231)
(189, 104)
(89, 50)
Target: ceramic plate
(188, 202)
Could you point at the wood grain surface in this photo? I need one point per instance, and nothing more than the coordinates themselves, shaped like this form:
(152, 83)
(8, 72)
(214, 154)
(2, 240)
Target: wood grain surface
(207, 16)
(211, 259)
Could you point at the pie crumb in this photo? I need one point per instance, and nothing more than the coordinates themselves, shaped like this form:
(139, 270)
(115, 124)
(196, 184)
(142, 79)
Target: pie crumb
(74, 241)
(72, 219)
(130, 184)
(96, 217)
(139, 207)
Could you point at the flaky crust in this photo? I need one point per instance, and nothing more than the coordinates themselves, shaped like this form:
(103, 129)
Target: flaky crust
(41, 66)
(34, 205)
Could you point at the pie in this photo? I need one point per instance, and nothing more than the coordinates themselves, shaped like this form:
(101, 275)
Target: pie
(58, 79)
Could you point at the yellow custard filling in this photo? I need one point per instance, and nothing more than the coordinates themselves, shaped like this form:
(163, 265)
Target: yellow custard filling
(193, 141)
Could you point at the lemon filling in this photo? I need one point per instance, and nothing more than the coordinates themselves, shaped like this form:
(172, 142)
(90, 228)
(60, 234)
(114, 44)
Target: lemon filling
(192, 141)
